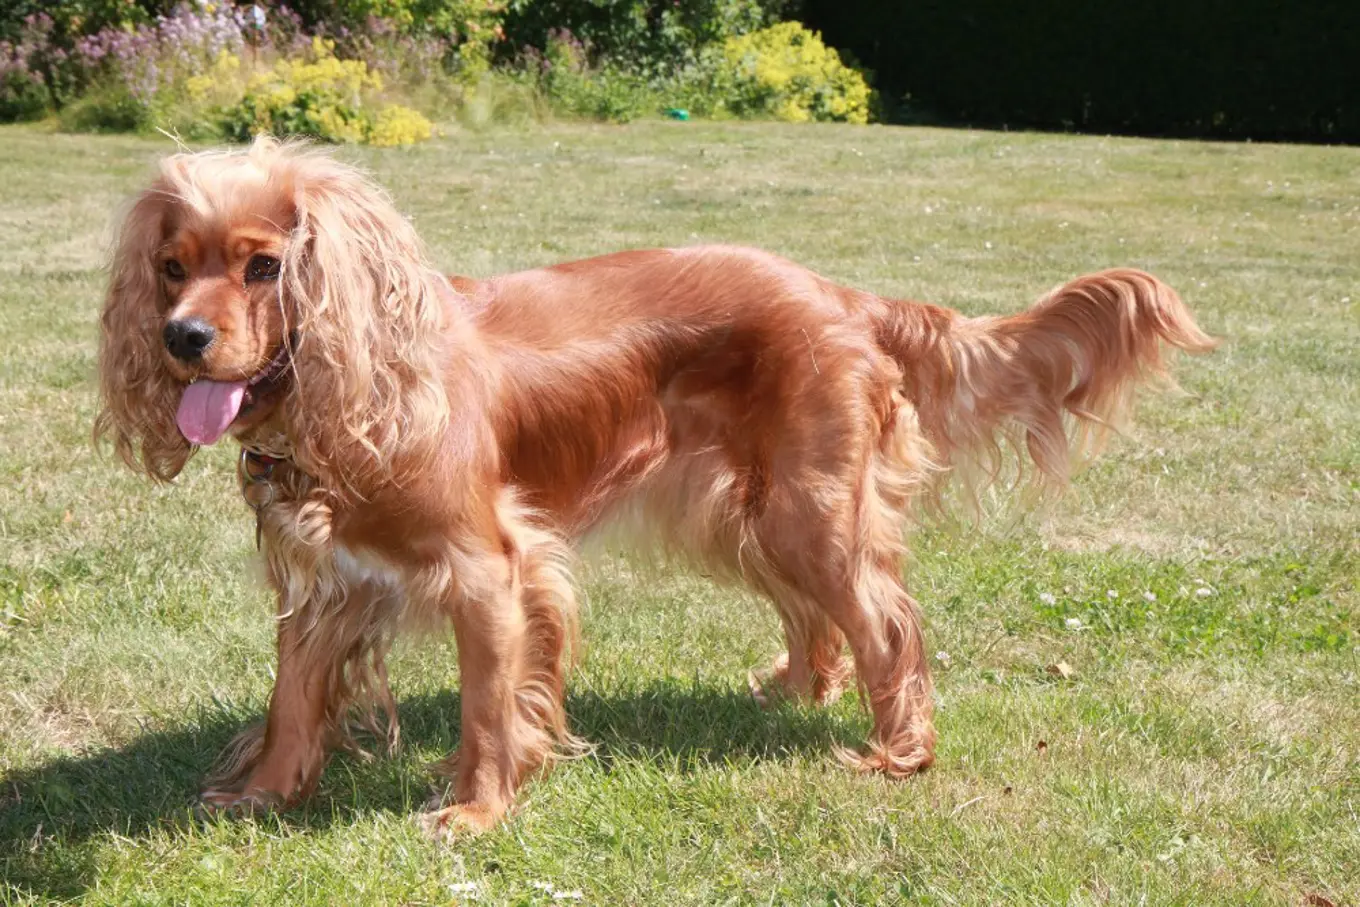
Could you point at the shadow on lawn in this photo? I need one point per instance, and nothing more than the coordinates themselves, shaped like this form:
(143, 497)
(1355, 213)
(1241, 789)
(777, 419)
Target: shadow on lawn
(47, 814)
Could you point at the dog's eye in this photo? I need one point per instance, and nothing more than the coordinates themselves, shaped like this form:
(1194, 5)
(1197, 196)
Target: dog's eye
(174, 270)
(262, 267)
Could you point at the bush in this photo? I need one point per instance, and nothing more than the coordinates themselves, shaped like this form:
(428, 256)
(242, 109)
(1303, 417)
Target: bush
(785, 71)
(209, 68)
(466, 31)
(575, 88)
(34, 76)
(649, 37)
(323, 97)
(151, 66)
(71, 18)
(209, 71)
(23, 93)
(110, 108)
(397, 125)
(622, 59)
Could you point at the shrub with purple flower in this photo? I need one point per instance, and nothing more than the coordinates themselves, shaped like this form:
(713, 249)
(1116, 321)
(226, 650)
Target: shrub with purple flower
(152, 59)
(33, 77)
(23, 91)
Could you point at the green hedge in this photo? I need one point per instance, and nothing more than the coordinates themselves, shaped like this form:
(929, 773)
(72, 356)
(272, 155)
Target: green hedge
(1262, 69)
(651, 36)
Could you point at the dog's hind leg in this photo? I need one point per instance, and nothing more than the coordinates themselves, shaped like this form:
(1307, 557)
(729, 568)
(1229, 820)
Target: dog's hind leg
(883, 624)
(845, 566)
(863, 598)
(814, 669)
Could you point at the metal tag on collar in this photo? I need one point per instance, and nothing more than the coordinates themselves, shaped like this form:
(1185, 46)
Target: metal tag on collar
(256, 487)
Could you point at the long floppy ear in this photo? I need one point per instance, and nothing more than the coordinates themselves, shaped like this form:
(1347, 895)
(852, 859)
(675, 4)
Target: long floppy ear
(138, 397)
(367, 404)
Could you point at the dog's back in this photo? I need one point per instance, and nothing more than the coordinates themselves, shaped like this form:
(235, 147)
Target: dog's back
(705, 376)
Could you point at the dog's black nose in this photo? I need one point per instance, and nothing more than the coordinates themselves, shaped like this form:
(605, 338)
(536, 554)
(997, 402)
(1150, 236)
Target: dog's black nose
(187, 338)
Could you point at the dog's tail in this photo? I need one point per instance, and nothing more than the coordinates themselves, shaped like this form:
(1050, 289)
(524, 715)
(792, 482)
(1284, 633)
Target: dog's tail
(1053, 380)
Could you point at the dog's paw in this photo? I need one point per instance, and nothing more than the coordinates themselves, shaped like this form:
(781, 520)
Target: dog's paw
(237, 804)
(458, 820)
(898, 763)
(774, 684)
(761, 692)
(770, 685)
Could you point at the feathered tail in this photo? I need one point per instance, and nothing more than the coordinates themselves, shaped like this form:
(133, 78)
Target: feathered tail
(1074, 357)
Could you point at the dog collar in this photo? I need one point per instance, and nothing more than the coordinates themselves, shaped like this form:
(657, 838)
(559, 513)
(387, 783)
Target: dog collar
(259, 466)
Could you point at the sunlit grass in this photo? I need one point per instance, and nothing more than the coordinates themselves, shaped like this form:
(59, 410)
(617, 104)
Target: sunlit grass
(1200, 582)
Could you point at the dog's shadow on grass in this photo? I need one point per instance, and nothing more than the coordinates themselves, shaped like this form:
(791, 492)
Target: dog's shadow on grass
(49, 814)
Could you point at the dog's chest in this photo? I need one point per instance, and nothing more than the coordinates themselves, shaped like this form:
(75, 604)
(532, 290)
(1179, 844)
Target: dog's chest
(313, 567)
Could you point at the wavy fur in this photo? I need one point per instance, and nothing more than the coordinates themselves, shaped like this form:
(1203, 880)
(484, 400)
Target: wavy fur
(1054, 380)
(364, 411)
(138, 396)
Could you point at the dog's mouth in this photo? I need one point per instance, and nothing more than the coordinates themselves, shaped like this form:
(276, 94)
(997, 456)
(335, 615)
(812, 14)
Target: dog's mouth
(208, 408)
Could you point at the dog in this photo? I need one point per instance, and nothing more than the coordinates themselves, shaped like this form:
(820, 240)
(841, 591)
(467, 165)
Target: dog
(426, 450)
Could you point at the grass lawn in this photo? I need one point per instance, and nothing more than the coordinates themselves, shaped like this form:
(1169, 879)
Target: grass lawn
(1201, 580)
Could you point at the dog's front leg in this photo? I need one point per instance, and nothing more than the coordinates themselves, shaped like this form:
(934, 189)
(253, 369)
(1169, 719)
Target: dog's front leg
(279, 763)
(495, 741)
(512, 637)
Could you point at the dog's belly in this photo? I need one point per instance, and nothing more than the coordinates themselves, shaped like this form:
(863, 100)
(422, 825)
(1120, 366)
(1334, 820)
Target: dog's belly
(692, 509)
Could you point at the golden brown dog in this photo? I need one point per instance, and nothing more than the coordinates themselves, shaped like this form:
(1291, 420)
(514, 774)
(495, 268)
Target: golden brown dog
(421, 448)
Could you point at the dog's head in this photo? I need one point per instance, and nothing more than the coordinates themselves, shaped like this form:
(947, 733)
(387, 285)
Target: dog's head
(271, 281)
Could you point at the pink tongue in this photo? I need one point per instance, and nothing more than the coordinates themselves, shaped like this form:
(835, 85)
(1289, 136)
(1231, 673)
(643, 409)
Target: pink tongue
(208, 408)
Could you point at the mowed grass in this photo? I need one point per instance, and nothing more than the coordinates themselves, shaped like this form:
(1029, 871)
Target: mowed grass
(1200, 580)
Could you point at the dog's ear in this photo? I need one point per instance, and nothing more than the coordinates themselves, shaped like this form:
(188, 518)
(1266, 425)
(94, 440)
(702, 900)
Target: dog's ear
(138, 397)
(367, 403)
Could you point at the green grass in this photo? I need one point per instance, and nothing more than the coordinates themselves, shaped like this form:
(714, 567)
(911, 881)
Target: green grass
(1206, 750)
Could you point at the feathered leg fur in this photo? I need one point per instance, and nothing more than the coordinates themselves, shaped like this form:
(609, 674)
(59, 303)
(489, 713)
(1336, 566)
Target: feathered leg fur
(513, 643)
